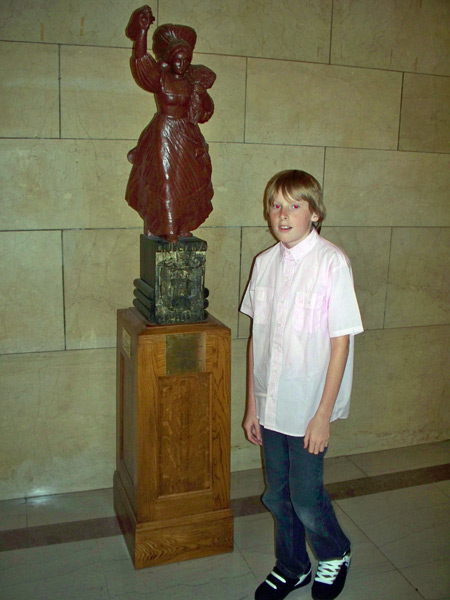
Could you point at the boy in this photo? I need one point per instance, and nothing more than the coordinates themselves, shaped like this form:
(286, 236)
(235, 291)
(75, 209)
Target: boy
(305, 315)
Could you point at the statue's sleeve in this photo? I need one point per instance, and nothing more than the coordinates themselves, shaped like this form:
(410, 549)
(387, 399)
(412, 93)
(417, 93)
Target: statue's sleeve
(146, 73)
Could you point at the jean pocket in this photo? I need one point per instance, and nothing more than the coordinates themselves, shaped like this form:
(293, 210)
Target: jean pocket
(263, 304)
(308, 310)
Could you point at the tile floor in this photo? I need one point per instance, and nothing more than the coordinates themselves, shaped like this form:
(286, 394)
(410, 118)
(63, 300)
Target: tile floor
(400, 538)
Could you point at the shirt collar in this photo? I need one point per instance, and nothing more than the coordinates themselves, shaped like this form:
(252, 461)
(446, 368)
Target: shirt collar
(301, 249)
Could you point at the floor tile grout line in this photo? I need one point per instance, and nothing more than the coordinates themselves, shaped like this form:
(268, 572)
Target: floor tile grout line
(104, 574)
(410, 583)
(401, 569)
(447, 494)
(236, 547)
(357, 466)
(389, 560)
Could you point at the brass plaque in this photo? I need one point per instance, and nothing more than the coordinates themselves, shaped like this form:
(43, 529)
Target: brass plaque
(185, 353)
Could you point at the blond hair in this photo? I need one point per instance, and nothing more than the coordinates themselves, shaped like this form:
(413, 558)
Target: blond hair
(296, 185)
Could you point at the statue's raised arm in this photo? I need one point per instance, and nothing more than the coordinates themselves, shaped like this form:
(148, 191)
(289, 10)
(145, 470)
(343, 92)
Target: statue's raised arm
(138, 27)
(143, 66)
(170, 181)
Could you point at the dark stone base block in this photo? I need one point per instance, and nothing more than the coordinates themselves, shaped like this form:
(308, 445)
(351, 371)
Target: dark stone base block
(171, 288)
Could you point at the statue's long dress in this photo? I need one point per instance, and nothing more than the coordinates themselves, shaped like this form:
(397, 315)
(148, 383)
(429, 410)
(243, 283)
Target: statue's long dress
(170, 181)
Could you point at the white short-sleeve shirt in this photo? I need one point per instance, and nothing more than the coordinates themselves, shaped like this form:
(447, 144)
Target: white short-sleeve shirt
(298, 299)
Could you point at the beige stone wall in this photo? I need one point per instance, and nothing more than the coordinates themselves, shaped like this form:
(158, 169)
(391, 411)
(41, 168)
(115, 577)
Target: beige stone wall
(355, 92)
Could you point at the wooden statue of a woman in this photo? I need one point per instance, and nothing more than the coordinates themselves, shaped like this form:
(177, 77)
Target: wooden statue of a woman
(170, 181)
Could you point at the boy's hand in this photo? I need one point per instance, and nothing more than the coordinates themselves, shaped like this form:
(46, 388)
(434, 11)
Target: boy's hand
(317, 434)
(252, 429)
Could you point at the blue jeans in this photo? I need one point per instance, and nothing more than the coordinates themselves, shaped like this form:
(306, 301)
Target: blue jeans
(299, 504)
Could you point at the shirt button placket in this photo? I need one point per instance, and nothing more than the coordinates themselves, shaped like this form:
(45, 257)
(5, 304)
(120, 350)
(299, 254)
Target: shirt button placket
(276, 362)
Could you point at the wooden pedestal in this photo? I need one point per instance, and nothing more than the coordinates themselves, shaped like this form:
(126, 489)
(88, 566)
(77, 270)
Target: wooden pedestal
(171, 486)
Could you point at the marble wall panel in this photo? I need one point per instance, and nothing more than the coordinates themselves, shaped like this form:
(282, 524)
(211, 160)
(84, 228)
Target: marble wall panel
(419, 283)
(400, 391)
(228, 94)
(29, 90)
(298, 103)
(254, 241)
(100, 99)
(240, 175)
(65, 184)
(99, 269)
(59, 21)
(244, 455)
(294, 29)
(425, 119)
(222, 272)
(31, 292)
(57, 424)
(368, 249)
(386, 188)
(392, 34)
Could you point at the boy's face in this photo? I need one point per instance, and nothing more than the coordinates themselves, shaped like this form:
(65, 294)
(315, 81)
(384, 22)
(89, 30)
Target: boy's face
(290, 221)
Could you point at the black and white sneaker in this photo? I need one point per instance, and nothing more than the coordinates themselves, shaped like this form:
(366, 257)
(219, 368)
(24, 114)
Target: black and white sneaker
(330, 578)
(277, 586)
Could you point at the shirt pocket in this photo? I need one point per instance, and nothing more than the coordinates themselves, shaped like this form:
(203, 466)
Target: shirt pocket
(263, 304)
(308, 312)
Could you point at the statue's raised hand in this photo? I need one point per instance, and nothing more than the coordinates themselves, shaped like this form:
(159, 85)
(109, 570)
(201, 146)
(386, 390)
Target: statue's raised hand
(139, 22)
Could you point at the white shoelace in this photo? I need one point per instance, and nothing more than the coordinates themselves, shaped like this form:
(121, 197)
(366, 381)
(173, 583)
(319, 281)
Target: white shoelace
(328, 570)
